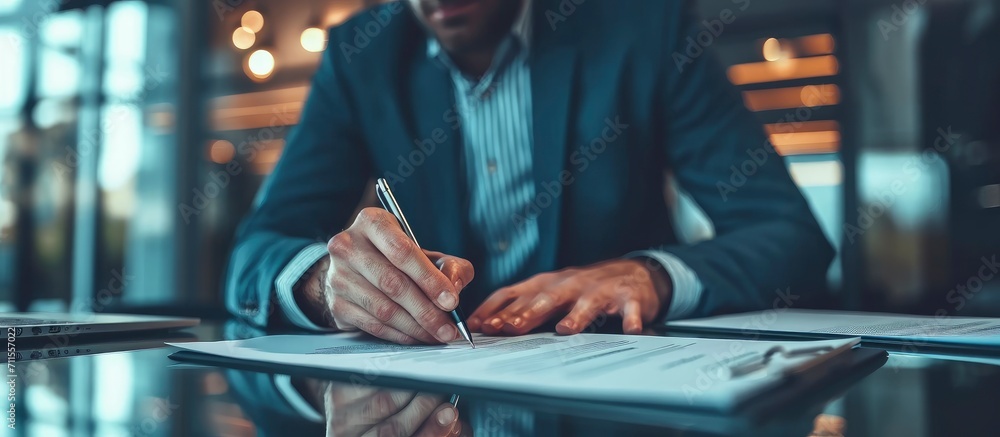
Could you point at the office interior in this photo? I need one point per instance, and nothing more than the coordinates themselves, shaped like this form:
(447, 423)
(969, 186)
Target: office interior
(135, 135)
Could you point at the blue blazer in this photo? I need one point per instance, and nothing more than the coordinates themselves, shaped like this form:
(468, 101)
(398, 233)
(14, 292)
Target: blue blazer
(377, 101)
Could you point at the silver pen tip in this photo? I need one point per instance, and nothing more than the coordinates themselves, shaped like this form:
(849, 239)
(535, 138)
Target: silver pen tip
(465, 333)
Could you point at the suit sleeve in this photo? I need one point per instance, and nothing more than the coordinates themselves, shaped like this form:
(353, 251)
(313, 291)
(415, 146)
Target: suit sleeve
(314, 188)
(768, 245)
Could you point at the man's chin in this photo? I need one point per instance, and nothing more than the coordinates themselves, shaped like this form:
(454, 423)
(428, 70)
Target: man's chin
(459, 42)
(462, 41)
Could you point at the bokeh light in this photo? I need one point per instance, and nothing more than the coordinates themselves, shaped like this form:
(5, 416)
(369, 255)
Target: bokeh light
(221, 152)
(253, 20)
(261, 64)
(772, 49)
(313, 39)
(243, 38)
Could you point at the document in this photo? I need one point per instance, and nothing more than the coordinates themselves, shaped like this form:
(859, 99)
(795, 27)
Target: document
(896, 328)
(689, 372)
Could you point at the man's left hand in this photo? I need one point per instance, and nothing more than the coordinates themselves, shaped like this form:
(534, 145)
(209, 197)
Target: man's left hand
(629, 288)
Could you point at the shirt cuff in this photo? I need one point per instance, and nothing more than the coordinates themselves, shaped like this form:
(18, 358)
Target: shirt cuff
(284, 385)
(687, 288)
(291, 274)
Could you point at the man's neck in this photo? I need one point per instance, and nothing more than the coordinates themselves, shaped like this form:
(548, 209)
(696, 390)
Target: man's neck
(475, 63)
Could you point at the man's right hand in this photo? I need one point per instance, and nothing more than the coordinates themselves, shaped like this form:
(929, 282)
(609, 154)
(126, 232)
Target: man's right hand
(377, 280)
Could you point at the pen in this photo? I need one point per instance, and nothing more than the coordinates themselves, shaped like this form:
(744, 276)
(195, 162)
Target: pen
(384, 194)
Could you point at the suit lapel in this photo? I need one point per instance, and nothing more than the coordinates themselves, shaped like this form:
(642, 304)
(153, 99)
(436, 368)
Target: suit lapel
(553, 78)
(442, 185)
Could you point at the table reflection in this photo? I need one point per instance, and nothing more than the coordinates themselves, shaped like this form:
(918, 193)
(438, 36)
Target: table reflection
(355, 410)
(279, 403)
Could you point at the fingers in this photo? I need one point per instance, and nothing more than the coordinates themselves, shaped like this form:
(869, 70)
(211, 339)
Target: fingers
(632, 317)
(499, 299)
(484, 316)
(349, 313)
(398, 287)
(505, 319)
(358, 415)
(536, 312)
(406, 421)
(583, 312)
(518, 309)
(344, 396)
(459, 271)
(365, 295)
(527, 312)
(443, 422)
(384, 232)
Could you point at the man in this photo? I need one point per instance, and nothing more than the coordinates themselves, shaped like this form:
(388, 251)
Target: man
(528, 139)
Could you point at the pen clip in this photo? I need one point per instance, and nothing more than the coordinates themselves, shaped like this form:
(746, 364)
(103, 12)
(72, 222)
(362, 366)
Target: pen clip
(388, 200)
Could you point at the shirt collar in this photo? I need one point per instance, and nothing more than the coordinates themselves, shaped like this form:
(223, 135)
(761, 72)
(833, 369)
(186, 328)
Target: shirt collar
(522, 27)
(520, 30)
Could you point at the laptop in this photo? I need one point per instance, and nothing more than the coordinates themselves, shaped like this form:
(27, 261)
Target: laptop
(28, 326)
(90, 345)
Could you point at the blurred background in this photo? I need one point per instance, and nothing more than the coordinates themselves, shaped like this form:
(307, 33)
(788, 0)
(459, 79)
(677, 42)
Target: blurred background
(135, 134)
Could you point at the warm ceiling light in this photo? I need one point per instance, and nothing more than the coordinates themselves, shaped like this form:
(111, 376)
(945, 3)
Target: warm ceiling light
(785, 69)
(261, 64)
(805, 143)
(772, 49)
(820, 44)
(791, 97)
(243, 38)
(820, 95)
(803, 126)
(253, 20)
(313, 39)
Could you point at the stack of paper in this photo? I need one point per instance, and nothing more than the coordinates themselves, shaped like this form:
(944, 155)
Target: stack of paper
(607, 368)
(892, 328)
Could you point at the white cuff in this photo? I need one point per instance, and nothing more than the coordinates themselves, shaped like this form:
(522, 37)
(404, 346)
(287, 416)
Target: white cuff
(284, 385)
(291, 274)
(687, 287)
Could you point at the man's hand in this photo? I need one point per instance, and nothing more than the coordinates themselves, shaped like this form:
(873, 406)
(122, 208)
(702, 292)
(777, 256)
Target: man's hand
(623, 287)
(353, 410)
(377, 280)
(370, 411)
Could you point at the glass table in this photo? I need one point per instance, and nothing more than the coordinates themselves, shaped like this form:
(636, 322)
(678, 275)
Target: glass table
(132, 388)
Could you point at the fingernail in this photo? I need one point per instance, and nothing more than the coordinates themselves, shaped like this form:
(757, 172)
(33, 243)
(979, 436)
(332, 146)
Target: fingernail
(496, 322)
(447, 333)
(446, 416)
(516, 322)
(447, 300)
(474, 321)
(458, 284)
(569, 325)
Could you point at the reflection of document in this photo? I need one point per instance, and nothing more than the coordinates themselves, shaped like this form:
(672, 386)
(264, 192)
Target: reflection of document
(972, 331)
(653, 370)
